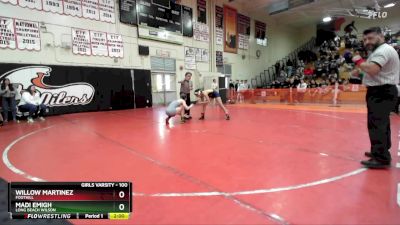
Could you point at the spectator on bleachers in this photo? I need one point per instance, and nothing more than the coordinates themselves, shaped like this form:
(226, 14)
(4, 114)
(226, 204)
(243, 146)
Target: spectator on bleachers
(326, 64)
(270, 85)
(277, 68)
(356, 76)
(8, 92)
(289, 65)
(285, 83)
(31, 102)
(277, 84)
(308, 72)
(318, 68)
(313, 90)
(300, 70)
(324, 46)
(333, 75)
(301, 63)
(345, 85)
(334, 66)
(296, 80)
(283, 74)
(324, 76)
(292, 83)
(332, 45)
(348, 57)
(313, 84)
(339, 60)
(332, 81)
(301, 90)
(345, 70)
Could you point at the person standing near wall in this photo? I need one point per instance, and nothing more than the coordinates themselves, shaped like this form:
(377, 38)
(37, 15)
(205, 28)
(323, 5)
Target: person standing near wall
(8, 92)
(301, 90)
(382, 69)
(186, 87)
(231, 90)
(214, 85)
(247, 85)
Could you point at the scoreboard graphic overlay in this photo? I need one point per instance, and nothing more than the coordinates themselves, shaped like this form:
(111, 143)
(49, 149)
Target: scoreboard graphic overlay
(70, 200)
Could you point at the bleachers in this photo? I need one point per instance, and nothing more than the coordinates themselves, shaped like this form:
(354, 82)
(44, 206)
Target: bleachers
(348, 94)
(269, 74)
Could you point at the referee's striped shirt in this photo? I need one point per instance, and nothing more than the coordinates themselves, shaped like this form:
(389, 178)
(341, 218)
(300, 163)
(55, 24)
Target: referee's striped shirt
(386, 57)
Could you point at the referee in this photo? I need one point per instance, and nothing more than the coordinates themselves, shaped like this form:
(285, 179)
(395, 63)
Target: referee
(186, 87)
(382, 71)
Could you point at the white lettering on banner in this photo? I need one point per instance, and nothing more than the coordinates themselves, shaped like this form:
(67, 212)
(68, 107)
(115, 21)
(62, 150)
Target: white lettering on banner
(32, 4)
(7, 33)
(190, 58)
(107, 10)
(198, 54)
(55, 6)
(98, 42)
(115, 45)
(204, 33)
(240, 44)
(14, 2)
(201, 32)
(81, 42)
(244, 41)
(90, 9)
(196, 31)
(204, 55)
(28, 35)
(201, 55)
(219, 33)
(73, 7)
(78, 93)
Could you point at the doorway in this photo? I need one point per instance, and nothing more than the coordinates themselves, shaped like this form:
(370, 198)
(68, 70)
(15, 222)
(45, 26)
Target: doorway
(164, 88)
(163, 80)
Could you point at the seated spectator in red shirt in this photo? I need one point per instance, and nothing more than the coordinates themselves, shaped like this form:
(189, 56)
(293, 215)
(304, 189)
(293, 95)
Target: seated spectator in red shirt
(308, 71)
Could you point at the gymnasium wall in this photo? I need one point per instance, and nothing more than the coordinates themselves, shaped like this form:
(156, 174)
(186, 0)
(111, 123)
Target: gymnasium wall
(67, 89)
(57, 28)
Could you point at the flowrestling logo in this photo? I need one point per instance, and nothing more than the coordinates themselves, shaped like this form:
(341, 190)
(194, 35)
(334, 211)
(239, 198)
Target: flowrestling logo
(78, 93)
(377, 15)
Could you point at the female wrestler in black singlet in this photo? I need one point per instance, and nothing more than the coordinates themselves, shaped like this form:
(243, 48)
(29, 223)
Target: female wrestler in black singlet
(203, 97)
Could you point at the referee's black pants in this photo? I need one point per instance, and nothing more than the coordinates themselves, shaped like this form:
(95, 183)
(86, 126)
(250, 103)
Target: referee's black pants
(188, 102)
(380, 102)
(396, 108)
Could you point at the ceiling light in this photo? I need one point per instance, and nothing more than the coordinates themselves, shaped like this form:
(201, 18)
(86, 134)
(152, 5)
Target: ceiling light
(327, 19)
(389, 5)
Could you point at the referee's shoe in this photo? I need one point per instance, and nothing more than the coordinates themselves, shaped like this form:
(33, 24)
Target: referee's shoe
(375, 163)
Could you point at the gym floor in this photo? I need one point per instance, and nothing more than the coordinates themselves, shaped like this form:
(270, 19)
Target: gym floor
(270, 164)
